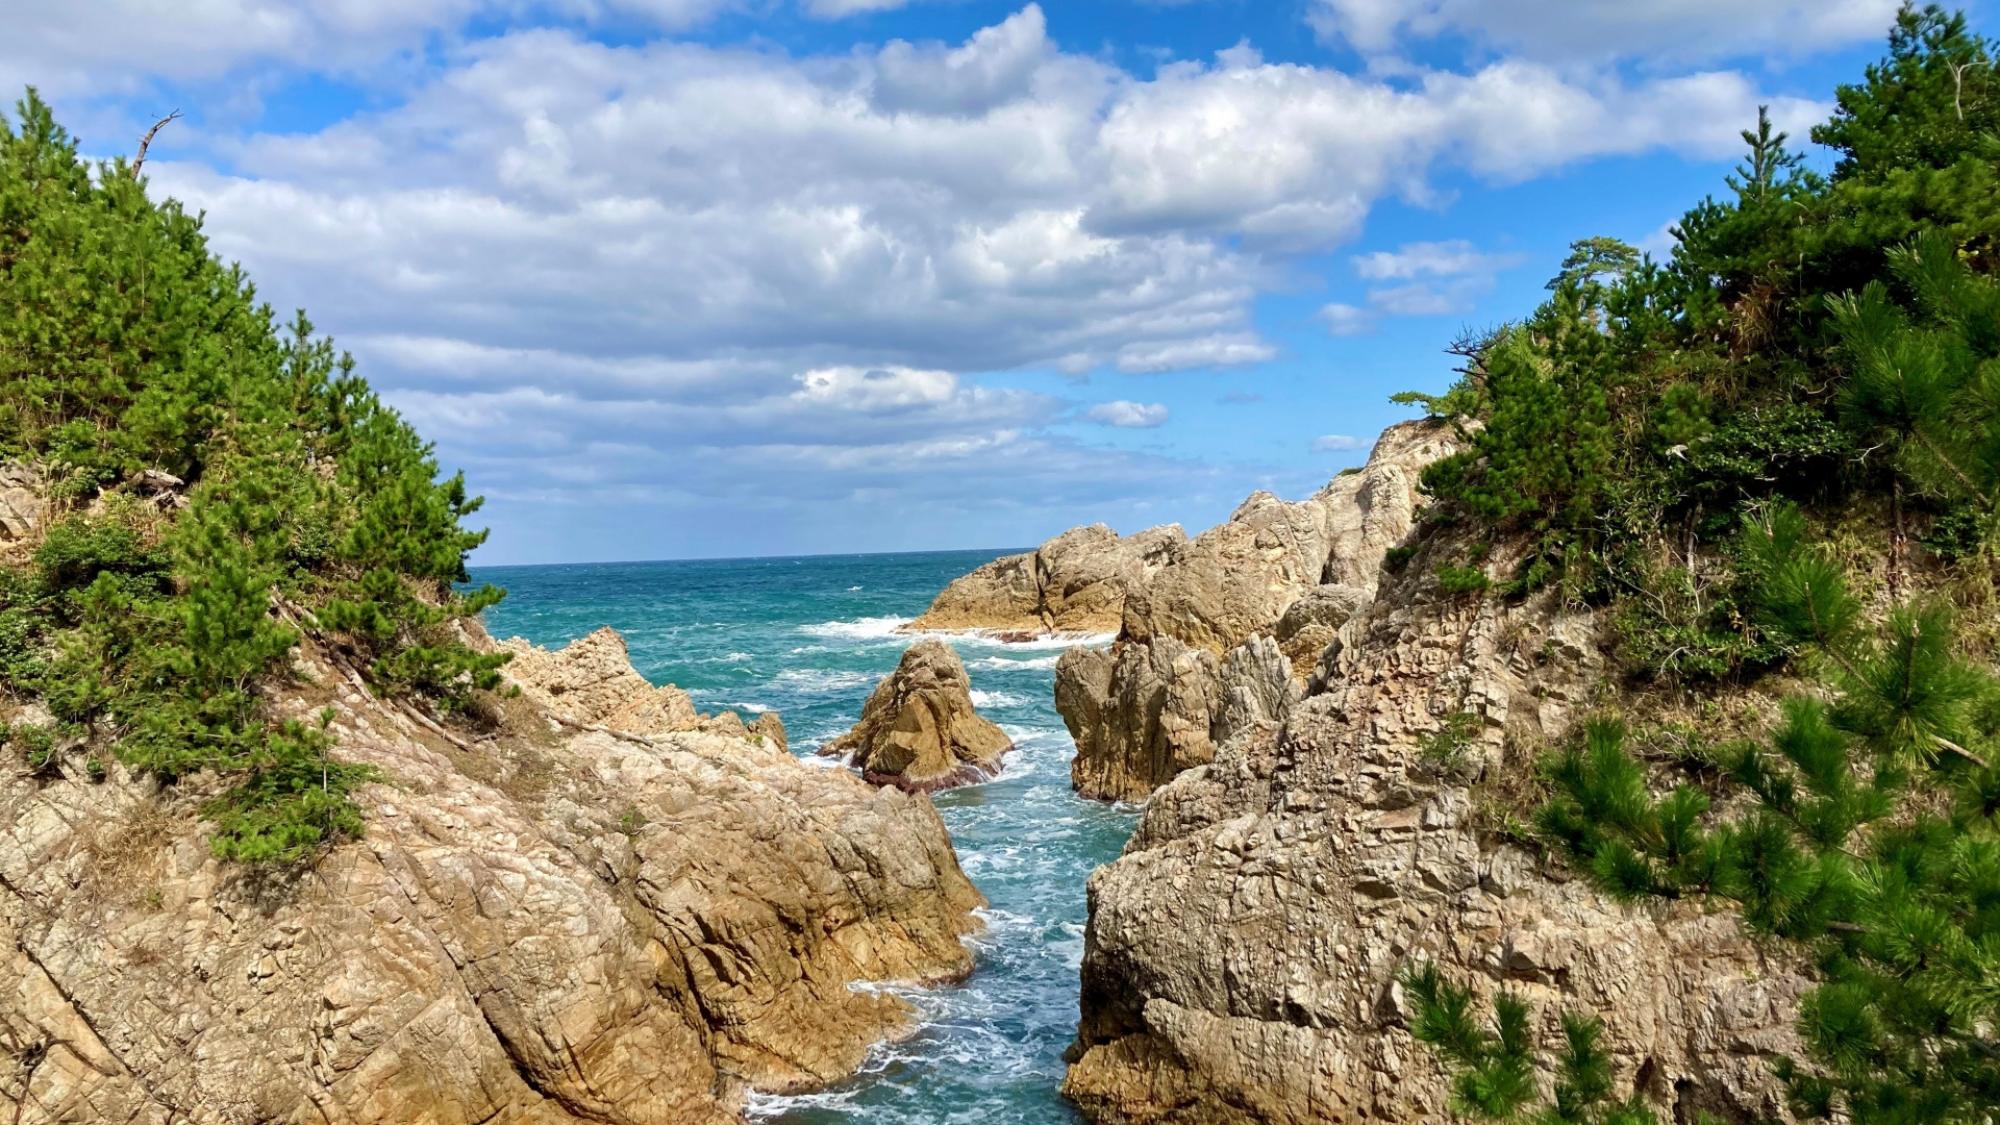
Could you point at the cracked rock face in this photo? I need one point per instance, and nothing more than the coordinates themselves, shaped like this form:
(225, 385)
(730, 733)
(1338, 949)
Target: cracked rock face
(1263, 594)
(629, 926)
(1241, 956)
(919, 731)
(1074, 583)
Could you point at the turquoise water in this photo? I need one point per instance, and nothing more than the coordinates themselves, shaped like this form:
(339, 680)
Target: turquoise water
(809, 638)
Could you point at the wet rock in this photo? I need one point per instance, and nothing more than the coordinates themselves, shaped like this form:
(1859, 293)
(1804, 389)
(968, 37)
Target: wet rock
(919, 730)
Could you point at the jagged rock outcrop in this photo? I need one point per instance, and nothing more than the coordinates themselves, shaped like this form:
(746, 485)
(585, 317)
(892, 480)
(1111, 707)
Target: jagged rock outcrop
(1292, 572)
(1074, 583)
(550, 924)
(590, 682)
(1241, 955)
(1141, 714)
(919, 731)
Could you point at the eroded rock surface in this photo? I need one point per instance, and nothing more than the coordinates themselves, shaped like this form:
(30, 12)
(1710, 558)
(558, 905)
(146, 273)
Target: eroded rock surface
(549, 925)
(1292, 573)
(919, 731)
(1241, 956)
(1074, 583)
(590, 682)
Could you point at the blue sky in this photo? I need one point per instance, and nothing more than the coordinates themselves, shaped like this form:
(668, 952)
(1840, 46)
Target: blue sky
(676, 278)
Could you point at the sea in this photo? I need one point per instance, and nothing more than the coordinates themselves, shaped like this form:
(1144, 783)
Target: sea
(809, 638)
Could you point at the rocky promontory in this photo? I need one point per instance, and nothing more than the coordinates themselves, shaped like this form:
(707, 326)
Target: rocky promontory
(1241, 959)
(1075, 583)
(1237, 612)
(919, 731)
(592, 910)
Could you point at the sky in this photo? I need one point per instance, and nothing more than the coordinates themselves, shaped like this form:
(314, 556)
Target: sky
(684, 278)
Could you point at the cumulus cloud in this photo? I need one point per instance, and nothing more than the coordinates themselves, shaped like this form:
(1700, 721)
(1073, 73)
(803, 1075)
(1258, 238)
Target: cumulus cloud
(1429, 279)
(561, 253)
(1660, 30)
(1128, 415)
(1336, 443)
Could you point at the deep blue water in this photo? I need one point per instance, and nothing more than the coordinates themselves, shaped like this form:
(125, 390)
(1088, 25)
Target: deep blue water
(809, 637)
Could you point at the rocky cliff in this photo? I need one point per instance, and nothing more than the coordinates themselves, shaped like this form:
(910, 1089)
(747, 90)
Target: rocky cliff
(919, 731)
(1074, 583)
(593, 910)
(1288, 573)
(1241, 955)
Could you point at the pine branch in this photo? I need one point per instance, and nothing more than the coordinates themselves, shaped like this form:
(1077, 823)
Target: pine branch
(146, 141)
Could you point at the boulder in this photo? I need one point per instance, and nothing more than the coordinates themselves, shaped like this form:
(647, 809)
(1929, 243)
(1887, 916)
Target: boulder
(919, 731)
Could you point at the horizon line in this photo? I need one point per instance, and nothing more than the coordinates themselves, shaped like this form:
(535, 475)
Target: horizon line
(470, 566)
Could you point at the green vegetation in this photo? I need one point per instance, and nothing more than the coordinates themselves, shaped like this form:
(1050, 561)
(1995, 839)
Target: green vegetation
(1780, 448)
(223, 484)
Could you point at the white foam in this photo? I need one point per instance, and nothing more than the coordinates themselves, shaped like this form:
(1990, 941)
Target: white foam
(822, 679)
(997, 699)
(752, 708)
(862, 629)
(1005, 663)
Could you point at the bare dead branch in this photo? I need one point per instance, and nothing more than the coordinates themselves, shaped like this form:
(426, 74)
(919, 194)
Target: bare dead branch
(147, 140)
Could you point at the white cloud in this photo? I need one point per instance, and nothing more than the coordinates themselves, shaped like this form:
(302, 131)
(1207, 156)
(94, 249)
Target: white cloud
(1348, 320)
(1430, 259)
(796, 270)
(1128, 415)
(1431, 279)
(841, 9)
(1569, 30)
(1336, 443)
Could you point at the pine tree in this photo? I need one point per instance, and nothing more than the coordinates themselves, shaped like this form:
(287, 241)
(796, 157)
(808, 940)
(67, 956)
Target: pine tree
(127, 348)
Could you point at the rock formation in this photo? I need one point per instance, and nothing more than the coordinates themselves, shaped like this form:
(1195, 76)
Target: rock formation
(588, 914)
(1074, 583)
(24, 507)
(918, 730)
(590, 682)
(1289, 572)
(1241, 956)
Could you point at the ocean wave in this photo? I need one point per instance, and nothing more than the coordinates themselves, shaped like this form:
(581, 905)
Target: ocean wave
(821, 680)
(988, 639)
(863, 629)
(982, 698)
(752, 708)
(1009, 664)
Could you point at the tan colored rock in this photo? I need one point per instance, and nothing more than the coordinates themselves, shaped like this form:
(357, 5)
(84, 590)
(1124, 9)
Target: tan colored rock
(1241, 956)
(1296, 570)
(537, 928)
(1142, 713)
(1239, 578)
(1138, 713)
(1074, 583)
(591, 682)
(919, 731)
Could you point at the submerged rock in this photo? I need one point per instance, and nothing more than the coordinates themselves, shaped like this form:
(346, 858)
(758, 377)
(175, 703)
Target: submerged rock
(549, 925)
(919, 731)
